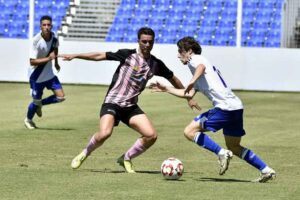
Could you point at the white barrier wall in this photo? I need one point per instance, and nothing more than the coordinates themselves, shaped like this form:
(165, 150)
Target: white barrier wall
(243, 68)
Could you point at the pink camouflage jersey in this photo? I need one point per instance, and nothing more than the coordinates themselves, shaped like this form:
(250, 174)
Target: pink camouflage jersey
(132, 75)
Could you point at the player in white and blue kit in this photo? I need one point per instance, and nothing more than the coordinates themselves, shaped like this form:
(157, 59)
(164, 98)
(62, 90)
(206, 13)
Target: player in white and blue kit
(44, 49)
(227, 113)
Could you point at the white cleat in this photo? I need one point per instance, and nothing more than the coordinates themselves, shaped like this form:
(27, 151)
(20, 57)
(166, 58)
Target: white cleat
(264, 177)
(29, 124)
(224, 161)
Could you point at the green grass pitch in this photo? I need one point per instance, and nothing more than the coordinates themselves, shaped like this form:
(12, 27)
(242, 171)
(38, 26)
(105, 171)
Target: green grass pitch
(36, 164)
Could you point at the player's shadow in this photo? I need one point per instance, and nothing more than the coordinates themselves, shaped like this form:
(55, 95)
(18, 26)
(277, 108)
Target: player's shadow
(121, 171)
(55, 129)
(208, 179)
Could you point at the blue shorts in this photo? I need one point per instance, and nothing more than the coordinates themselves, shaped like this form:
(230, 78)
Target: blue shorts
(216, 119)
(37, 88)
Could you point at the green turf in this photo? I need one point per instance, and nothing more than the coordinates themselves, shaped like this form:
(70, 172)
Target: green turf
(36, 164)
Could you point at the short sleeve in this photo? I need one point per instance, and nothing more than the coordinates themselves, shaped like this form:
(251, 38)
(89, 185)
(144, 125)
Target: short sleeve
(163, 70)
(120, 55)
(33, 51)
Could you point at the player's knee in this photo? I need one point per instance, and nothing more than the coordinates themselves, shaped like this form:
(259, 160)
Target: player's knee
(152, 136)
(37, 102)
(103, 134)
(188, 133)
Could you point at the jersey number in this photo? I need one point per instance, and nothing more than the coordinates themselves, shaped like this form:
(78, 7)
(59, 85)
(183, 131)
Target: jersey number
(220, 76)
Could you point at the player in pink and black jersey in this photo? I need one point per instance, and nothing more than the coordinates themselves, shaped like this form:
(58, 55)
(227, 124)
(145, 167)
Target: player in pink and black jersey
(136, 67)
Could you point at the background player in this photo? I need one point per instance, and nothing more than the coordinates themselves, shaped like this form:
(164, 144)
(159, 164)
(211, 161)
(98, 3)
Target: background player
(136, 67)
(227, 113)
(44, 49)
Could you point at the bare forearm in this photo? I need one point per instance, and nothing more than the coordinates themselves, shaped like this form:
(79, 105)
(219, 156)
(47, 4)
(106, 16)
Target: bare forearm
(180, 92)
(96, 56)
(39, 61)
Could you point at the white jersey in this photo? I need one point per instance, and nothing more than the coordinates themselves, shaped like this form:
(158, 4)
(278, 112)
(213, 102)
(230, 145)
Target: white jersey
(212, 85)
(40, 49)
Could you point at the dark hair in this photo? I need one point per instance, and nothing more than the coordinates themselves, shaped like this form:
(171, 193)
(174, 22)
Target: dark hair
(45, 17)
(187, 43)
(145, 31)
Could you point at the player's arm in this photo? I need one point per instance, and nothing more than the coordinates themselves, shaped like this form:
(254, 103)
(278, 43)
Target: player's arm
(94, 56)
(198, 72)
(56, 65)
(40, 61)
(177, 84)
(158, 87)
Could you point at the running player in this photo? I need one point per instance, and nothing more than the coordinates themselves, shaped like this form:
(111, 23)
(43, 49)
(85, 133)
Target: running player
(136, 67)
(44, 49)
(227, 113)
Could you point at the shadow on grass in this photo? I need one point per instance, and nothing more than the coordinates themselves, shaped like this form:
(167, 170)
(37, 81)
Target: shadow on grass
(207, 179)
(55, 129)
(121, 171)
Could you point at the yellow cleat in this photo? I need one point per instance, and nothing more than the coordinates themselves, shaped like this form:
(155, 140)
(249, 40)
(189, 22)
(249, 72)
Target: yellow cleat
(78, 160)
(126, 164)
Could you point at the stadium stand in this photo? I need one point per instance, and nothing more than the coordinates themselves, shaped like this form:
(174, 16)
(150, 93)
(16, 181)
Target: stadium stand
(92, 20)
(261, 23)
(14, 16)
(212, 22)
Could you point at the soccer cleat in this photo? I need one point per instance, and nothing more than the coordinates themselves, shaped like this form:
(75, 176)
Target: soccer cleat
(78, 160)
(29, 124)
(264, 177)
(39, 111)
(126, 164)
(224, 161)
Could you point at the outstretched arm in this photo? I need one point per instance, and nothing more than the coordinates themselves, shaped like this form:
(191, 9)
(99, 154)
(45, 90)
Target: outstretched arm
(158, 87)
(95, 56)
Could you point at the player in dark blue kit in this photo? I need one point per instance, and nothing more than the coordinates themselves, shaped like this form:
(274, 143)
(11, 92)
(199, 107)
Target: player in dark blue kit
(44, 49)
(227, 113)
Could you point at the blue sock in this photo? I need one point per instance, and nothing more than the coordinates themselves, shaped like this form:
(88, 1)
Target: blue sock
(253, 159)
(206, 142)
(31, 110)
(49, 100)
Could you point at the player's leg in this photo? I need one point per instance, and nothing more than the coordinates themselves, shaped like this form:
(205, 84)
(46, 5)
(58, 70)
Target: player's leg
(143, 125)
(58, 92)
(233, 143)
(107, 122)
(195, 132)
(36, 93)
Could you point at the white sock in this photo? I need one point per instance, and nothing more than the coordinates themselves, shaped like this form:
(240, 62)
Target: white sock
(221, 152)
(266, 170)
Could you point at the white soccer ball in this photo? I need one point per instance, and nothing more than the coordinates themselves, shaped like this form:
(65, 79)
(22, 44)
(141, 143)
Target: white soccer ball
(172, 169)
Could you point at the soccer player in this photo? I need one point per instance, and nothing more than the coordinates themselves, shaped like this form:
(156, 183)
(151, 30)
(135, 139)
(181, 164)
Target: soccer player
(44, 49)
(227, 113)
(136, 67)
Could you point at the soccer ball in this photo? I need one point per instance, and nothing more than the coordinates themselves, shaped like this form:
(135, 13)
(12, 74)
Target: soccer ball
(172, 169)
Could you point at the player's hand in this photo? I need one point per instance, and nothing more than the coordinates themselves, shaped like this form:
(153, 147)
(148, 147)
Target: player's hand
(67, 57)
(193, 104)
(189, 87)
(157, 87)
(52, 55)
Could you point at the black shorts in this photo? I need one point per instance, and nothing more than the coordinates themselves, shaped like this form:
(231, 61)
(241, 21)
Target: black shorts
(120, 113)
